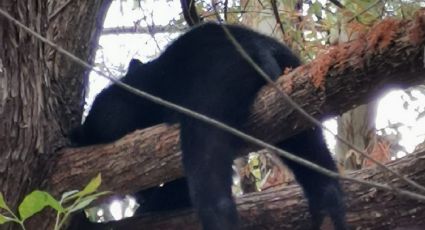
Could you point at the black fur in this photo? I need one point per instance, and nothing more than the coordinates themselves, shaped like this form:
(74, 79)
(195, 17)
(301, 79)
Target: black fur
(202, 70)
(173, 195)
(324, 194)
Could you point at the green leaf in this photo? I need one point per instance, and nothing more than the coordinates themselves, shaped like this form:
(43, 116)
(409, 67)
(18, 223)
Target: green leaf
(82, 204)
(317, 8)
(4, 219)
(68, 194)
(2, 202)
(35, 202)
(91, 187)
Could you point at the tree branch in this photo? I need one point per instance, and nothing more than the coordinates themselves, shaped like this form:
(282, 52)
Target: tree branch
(285, 207)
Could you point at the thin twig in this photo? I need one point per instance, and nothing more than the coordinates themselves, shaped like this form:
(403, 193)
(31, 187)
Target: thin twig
(225, 8)
(217, 14)
(277, 16)
(338, 4)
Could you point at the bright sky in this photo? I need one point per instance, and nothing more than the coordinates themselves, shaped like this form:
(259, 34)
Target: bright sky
(391, 110)
(118, 50)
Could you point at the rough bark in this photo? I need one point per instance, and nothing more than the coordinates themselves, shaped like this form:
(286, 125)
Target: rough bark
(345, 76)
(285, 208)
(143, 159)
(40, 91)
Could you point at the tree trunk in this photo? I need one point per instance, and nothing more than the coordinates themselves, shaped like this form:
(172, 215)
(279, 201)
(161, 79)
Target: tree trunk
(358, 127)
(285, 207)
(40, 89)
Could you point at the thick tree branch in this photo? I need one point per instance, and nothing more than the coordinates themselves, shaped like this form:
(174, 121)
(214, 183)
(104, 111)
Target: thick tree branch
(339, 79)
(285, 208)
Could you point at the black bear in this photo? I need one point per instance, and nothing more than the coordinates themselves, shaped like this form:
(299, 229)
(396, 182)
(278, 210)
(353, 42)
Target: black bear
(202, 70)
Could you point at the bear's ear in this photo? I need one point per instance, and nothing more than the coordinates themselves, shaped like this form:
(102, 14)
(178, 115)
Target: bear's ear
(134, 65)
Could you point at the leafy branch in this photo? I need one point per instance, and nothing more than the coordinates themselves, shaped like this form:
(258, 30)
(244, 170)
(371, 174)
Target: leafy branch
(37, 200)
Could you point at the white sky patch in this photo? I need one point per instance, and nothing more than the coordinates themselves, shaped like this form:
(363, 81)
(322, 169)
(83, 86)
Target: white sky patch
(99, 212)
(131, 206)
(332, 125)
(391, 110)
(116, 210)
(116, 51)
(162, 13)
